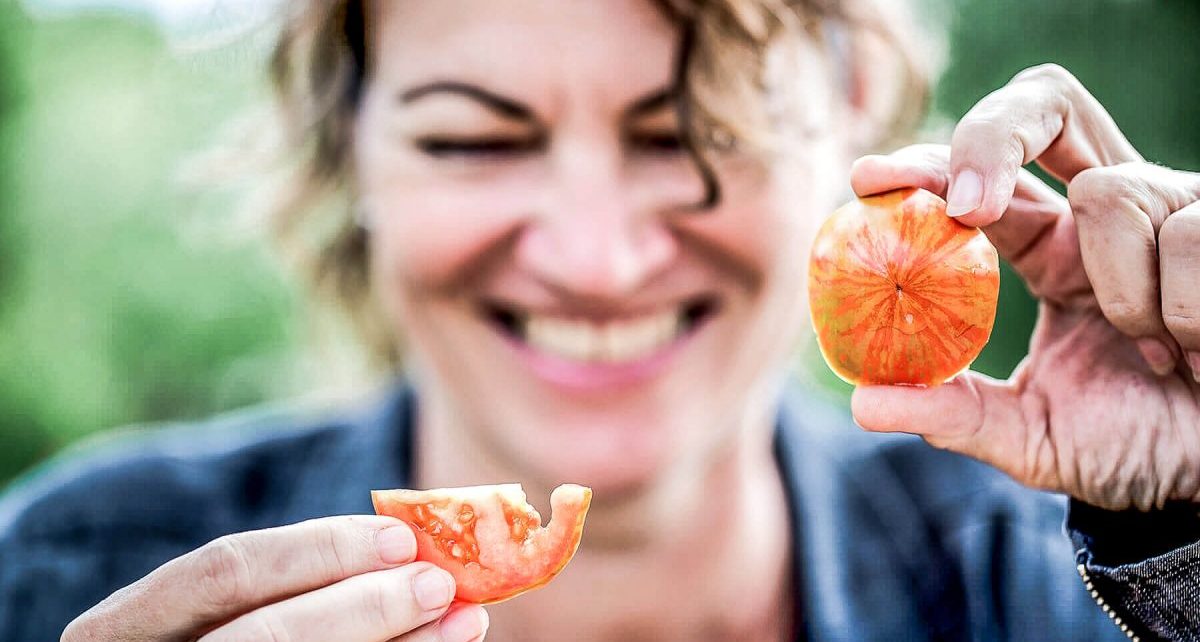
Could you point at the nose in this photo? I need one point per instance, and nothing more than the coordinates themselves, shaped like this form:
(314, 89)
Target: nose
(595, 234)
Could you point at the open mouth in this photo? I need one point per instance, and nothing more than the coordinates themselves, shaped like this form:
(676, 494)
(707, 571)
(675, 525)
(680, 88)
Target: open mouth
(620, 340)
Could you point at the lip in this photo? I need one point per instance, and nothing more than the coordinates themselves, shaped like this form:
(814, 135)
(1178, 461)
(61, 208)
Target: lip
(582, 377)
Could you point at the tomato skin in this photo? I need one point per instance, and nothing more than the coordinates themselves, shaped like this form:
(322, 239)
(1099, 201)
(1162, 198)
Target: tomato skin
(488, 538)
(899, 292)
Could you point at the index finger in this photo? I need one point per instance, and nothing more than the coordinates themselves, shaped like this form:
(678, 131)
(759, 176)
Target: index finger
(237, 573)
(1043, 114)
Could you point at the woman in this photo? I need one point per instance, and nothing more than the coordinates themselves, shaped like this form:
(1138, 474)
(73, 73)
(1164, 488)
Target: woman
(586, 225)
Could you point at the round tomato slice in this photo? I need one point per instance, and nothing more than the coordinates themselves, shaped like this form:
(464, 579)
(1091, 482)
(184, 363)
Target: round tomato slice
(899, 292)
(488, 537)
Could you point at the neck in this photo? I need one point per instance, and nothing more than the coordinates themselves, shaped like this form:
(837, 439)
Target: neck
(701, 553)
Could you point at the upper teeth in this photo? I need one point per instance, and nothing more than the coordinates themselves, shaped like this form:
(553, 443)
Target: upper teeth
(610, 342)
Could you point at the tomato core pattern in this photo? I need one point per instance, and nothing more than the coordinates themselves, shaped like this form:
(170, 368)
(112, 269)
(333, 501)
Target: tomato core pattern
(899, 292)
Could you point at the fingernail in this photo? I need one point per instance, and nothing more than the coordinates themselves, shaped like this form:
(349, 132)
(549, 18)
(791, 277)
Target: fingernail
(966, 193)
(433, 589)
(1193, 359)
(1157, 355)
(396, 545)
(464, 625)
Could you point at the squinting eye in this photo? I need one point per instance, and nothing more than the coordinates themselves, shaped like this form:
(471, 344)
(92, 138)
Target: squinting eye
(477, 147)
(666, 143)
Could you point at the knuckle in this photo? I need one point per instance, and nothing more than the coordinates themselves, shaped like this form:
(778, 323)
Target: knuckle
(224, 576)
(992, 134)
(1100, 186)
(1181, 233)
(381, 605)
(974, 126)
(1046, 125)
(79, 630)
(333, 549)
(1184, 324)
(865, 161)
(1051, 73)
(932, 159)
(272, 629)
(1128, 316)
(256, 627)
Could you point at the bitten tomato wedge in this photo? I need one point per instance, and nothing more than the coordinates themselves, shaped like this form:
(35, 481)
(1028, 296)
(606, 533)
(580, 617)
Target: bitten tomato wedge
(488, 537)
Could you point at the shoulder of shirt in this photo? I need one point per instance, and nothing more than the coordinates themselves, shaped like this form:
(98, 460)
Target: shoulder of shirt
(126, 475)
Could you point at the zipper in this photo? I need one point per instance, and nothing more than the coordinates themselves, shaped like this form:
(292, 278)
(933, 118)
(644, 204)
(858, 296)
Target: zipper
(1112, 615)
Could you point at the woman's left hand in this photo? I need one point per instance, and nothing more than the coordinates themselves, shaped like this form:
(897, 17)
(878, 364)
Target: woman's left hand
(1106, 407)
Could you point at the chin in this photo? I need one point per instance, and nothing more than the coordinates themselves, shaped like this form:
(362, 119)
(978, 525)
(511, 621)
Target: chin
(610, 478)
(615, 448)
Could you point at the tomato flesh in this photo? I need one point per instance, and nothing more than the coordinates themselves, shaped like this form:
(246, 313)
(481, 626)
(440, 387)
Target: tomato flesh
(899, 292)
(488, 537)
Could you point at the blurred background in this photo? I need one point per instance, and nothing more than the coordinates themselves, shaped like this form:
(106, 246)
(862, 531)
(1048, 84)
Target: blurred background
(126, 300)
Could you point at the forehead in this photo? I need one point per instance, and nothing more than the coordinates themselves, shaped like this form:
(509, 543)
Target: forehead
(548, 47)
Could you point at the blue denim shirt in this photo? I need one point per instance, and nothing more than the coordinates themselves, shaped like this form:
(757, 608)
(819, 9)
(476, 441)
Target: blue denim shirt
(894, 540)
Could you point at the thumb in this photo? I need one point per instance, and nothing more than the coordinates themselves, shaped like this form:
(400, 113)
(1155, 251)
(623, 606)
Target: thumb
(972, 414)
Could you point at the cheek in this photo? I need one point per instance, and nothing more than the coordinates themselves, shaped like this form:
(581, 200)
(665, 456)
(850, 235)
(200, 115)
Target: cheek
(768, 218)
(423, 242)
(431, 235)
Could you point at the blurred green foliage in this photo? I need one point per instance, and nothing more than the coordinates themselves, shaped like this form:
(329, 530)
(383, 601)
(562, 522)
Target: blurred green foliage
(29, 441)
(115, 307)
(120, 304)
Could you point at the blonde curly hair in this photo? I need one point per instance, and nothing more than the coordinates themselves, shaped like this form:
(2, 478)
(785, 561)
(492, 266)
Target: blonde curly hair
(318, 64)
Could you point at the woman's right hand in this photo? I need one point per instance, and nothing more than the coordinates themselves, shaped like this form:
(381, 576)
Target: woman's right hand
(349, 578)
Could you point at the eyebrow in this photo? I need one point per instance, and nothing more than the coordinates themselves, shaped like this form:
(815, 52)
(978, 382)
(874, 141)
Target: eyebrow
(652, 102)
(506, 107)
(514, 110)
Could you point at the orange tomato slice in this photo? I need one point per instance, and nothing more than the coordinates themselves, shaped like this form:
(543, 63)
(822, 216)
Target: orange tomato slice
(488, 537)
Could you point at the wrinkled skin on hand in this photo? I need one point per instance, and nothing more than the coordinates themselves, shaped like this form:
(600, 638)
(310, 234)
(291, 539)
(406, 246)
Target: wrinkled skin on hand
(1106, 407)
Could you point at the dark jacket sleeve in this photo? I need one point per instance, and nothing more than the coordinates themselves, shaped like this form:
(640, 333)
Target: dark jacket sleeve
(79, 529)
(45, 584)
(83, 527)
(1142, 568)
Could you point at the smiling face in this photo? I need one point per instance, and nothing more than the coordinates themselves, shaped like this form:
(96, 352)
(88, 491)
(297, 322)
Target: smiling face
(533, 236)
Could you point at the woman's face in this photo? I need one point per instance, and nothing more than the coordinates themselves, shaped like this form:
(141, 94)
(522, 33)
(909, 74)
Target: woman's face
(532, 237)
